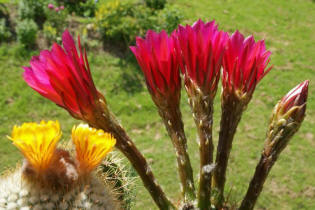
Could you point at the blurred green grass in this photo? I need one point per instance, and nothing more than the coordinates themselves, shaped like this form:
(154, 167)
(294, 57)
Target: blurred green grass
(288, 27)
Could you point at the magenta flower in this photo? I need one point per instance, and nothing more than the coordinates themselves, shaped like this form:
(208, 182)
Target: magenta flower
(57, 9)
(156, 56)
(244, 64)
(63, 76)
(200, 48)
(51, 6)
(61, 8)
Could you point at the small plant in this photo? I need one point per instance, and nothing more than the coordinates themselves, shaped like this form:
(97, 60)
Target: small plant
(116, 22)
(32, 9)
(155, 4)
(5, 33)
(120, 22)
(84, 8)
(26, 31)
(55, 24)
(50, 33)
(169, 18)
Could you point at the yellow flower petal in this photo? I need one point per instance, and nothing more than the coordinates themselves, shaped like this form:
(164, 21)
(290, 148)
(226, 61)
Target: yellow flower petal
(92, 146)
(37, 142)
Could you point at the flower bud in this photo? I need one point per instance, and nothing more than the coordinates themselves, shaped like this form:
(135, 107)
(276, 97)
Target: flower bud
(286, 119)
(293, 104)
(50, 6)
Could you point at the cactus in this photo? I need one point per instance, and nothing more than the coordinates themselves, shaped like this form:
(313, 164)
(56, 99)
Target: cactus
(18, 193)
(113, 171)
(50, 178)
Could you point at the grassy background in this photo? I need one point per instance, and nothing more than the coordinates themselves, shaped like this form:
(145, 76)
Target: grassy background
(288, 26)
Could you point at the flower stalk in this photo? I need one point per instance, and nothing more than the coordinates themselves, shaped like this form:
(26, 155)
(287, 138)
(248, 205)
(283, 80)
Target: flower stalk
(244, 65)
(172, 119)
(200, 49)
(202, 108)
(286, 119)
(107, 122)
(232, 110)
(158, 60)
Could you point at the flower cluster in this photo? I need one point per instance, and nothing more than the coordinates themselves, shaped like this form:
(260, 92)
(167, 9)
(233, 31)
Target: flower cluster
(57, 9)
(202, 54)
(38, 144)
(201, 50)
(63, 75)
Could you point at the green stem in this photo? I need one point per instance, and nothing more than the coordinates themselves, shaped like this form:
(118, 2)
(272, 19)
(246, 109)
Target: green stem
(174, 125)
(107, 122)
(202, 109)
(278, 137)
(256, 185)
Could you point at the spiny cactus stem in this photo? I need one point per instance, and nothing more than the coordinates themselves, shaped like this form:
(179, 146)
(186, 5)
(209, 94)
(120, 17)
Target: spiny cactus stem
(128, 148)
(257, 182)
(142, 167)
(277, 139)
(174, 125)
(202, 109)
(206, 159)
(232, 109)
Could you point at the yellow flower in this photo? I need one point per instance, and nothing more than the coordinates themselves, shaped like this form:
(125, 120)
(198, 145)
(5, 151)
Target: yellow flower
(37, 142)
(92, 146)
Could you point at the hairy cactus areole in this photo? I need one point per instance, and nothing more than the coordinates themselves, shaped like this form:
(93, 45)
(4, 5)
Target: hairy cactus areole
(50, 178)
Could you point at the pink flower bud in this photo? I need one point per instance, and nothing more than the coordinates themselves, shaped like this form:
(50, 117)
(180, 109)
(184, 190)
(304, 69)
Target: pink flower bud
(50, 6)
(61, 8)
(293, 103)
